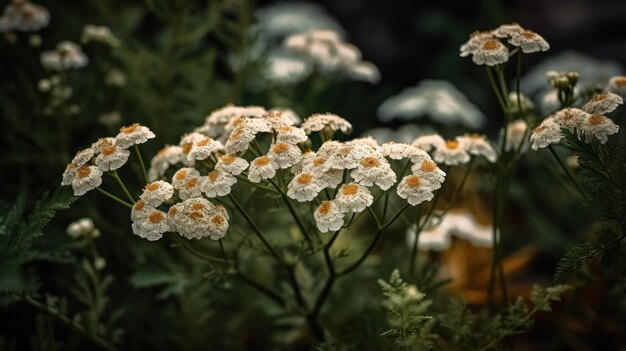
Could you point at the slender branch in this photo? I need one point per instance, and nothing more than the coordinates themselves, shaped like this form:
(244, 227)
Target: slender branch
(115, 198)
(124, 189)
(182, 242)
(294, 214)
(313, 317)
(141, 163)
(567, 172)
(419, 229)
(261, 288)
(69, 323)
(518, 82)
(459, 190)
(495, 89)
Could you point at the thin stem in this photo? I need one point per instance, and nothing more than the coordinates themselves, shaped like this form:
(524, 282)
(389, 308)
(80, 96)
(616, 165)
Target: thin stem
(222, 250)
(115, 198)
(505, 91)
(124, 189)
(459, 190)
(418, 230)
(495, 89)
(256, 229)
(518, 82)
(143, 166)
(261, 288)
(325, 293)
(69, 323)
(492, 272)
(567, 172)
(182, 242)
(294, 214)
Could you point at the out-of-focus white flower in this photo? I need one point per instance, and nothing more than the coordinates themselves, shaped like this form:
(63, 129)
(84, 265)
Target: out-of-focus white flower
(405, 134)
(284, 155)
(415, 189)
(364, 71)
(99, 263)
(464, 225)
(81, 227)
(155, 193)
(524, 102)
(24, 16)
(437, 99)
(66, 55)
(303, 187)
(598, 127)
(451, 153)
(570, 118)
(44, 85)
(112, 158)
(286, 115)
(617, 85)
(603, 103)
(99, 34)
(353, 198)
(218, 183)
(110, 118)
(166, 157)
(152, 226)
(34, 40)
(374, 170)
(231, 164)
(115, 78)
(319, 121)
(328, 217)
(478, 145)
(261, 168)
(516, 131)
(433, 237)
(546, 133)
(203, 148)
(283, 67)
(133, 135)
(529, 41)
(86, 179)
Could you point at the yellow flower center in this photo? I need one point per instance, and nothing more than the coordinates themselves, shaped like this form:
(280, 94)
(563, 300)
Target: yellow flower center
(599, 97)
(620, 81)
(370, 162)
(261, 161)
(187, 147)
(155, 217)
(172, 211)
(325, 208)
(529, 34)
(595, 119)
(218, 220)
(130, 129)
(280, 148)
(228, 159)
(195, 215)
(152, 186)
(180, 175)
(428, 166)
(191, 183)
(197, 206)
(490, 44)
(284, 129)
(413, 181)
(452, 144)
(108, 150)
(318, 161)
(138, 206)
(213, 175)
(304, 179)
(83, 172)
(349, 189)
(204, 142)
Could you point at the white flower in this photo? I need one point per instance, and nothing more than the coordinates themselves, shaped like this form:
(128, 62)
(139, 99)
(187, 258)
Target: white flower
(287, 116)
(326, 178)
(603, 103)
(99, 33)
(516, 131)
(133, 135)
(474, 43)
(598, 127)
(83, 156)
(303, 187)
(115, 78)
(261, 168)
(140, 210)
(490, 52)
(438, 100)
(529, 41)
(507, 30)
(188, 183)
(286, 68)
(291, 135)
(203, 148)
(546, 133)
(284, 155)
(328, 148)
(66, 55)
(161, 162)
(80, 227)
(198, 218)
(617, 85)
(231, 164)
(463, 225)
(353, 197)
(429, 141)
(152, 226)
(86, 179)
(350, 155)
(427, 169)
(570, 118)
(24, 16)
(415, 189)
(374, 170)
(112, 158)
(364, 71)
(69, 174)
(241, 137)
(433, 237)
(155, 193)
(218, 183)
(451, 153)
(217, 120)
(317, 122)
(478, 145)
(328, 217)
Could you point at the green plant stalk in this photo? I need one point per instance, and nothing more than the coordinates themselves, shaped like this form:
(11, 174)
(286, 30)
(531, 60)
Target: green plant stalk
(115, 198)
(294, 214)
(103, 344)
(198, 254)
(567, 172)
(496, 90)
(518, 82)
(124, 189)
(418, 230)
(144, 174)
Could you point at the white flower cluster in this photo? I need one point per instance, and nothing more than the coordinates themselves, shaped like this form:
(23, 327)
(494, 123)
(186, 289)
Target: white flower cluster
(24, 16)
(457, 151)
(83, 227)
(437, 235)
(85, 171)
(331, 54)
(488, 49)
(589, 122)
(66, 55)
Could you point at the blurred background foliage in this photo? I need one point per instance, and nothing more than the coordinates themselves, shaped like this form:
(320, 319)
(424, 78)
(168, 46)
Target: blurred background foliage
(181, 59)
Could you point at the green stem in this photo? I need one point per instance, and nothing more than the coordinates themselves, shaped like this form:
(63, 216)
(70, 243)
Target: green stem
(255, 228)
(459, 190)
(115, 198)
(518, 82)
(418, 230)
(313, 317)
(198, 254)
(496, 90)
(141, 163)
(124, 189)
(68, 323)
(567, 172)
(262, 289)
(294, 214)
